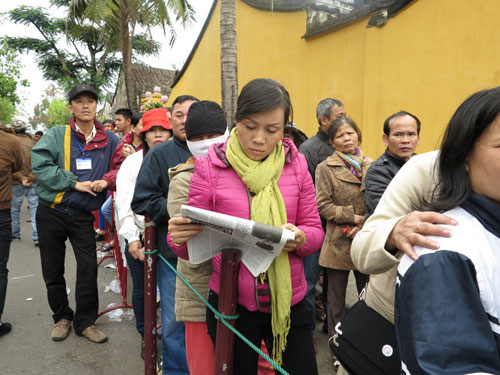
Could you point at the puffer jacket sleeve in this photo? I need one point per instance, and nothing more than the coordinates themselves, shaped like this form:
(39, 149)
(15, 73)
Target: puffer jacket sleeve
(325, 192)
(200, 196)
(308, 218)
(45, 158)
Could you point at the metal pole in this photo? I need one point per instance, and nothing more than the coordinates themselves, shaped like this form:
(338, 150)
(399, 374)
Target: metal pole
(228, 293)
(149, 298)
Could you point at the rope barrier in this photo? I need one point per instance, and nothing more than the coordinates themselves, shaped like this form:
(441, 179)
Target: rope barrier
(220, 316)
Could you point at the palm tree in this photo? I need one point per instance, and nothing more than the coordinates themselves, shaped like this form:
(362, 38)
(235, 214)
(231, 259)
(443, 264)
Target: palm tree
(124, 15)
(228, 59)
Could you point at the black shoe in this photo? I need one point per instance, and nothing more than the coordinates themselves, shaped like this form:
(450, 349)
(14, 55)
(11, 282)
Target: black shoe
(99, 237)
(36, 243)
(5, 328)
(142, 349)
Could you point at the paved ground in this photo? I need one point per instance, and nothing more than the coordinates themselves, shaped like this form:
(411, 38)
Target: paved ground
(28, 348)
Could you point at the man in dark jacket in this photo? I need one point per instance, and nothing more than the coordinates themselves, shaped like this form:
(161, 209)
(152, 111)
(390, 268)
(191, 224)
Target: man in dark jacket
(316, 149)
(150, 198)
(11, 161)
(401, 137)
(69, 162)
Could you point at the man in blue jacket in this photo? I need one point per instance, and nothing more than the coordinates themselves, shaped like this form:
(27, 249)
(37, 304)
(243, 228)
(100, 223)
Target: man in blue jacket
(150, 198)
(69, 162)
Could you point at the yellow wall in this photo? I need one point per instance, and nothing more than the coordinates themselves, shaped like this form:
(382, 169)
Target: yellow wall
(426, 60)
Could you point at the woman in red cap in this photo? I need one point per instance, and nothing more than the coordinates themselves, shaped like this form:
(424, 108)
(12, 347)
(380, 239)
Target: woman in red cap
(154, 129)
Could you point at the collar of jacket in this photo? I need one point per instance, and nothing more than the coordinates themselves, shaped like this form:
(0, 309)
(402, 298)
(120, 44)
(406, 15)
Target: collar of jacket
(180, 143)
(99, 141)
(484, 210)
(322, 135)
(343, 173)
(394, 159)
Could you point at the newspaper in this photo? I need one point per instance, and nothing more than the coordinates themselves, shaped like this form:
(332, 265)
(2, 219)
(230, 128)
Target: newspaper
(259, 243)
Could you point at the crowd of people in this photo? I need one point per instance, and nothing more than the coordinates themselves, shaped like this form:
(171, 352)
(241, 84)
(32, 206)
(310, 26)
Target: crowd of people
(384, 219)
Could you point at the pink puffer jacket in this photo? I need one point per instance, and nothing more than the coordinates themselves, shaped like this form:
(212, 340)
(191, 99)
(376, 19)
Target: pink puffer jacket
(215, 186)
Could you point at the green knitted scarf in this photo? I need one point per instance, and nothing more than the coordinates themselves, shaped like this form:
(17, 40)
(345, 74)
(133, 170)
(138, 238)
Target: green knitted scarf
(268, 207)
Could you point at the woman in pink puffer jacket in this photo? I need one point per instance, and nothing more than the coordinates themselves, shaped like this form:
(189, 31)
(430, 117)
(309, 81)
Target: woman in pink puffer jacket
(218, 185)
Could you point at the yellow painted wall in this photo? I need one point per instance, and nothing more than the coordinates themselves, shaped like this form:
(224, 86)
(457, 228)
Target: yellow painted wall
(426, 60)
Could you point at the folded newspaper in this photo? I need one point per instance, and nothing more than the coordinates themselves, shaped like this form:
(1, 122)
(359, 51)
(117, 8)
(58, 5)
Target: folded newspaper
(259, 243)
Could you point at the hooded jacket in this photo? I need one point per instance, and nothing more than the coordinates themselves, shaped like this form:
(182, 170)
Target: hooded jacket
(215, 186)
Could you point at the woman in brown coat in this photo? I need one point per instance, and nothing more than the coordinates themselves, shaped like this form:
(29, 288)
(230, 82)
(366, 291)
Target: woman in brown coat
(340, 184)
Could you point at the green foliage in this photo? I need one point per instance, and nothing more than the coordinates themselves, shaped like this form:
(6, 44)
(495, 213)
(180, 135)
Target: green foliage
(149, 106)
(75, 50)
(59, 113)
(10, 74)
(7, 110)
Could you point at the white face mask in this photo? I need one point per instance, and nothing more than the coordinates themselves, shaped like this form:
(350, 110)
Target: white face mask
(200, 148)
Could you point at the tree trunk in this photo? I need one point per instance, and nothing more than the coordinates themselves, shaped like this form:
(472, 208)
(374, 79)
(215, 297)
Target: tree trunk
(127, 57)
(228, 59)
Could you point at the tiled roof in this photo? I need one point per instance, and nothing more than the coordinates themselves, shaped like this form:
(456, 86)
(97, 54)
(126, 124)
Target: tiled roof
(146, 78)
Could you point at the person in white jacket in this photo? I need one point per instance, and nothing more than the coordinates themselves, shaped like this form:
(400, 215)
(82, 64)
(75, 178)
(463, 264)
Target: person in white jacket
(154, 129)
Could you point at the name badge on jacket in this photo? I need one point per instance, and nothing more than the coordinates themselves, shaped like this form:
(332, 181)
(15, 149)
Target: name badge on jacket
(83, 164)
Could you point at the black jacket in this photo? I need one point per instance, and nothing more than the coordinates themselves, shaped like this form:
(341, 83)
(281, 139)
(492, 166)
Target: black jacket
(151, 189)
(379, 175)
(316, 149)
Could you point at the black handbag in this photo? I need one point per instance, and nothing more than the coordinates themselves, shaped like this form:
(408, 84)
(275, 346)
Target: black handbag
(365, 343)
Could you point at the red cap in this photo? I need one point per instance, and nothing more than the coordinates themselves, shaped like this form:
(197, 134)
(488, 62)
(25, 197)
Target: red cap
(156, 117)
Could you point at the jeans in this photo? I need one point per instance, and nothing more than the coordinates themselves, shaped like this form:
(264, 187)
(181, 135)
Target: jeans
(136, 268)
(312, 270)
(18, 194)
(106, 209)
(5, 238)
(54, 228)
(173, 347)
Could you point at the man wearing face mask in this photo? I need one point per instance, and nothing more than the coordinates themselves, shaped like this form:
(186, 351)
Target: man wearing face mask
(205, 126)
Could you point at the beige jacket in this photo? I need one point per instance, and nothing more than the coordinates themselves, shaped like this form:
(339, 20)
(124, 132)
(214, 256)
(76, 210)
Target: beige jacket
(340, 195)
(188, 307)
(414, 182)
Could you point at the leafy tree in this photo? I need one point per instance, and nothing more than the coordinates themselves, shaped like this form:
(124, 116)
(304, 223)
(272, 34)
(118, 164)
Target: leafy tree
(7, 110)
(59, 113)
(76, 50)
(122, 16)
(10, 74)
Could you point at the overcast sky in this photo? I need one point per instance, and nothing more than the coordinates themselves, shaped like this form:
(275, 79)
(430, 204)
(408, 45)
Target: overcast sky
(168, 58)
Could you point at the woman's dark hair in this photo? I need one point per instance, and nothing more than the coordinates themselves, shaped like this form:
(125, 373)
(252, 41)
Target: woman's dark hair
(338, 122)
(468, 123)
(136, 117)
(262, 94)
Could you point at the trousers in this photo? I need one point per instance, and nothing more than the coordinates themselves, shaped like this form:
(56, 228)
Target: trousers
(54, 227)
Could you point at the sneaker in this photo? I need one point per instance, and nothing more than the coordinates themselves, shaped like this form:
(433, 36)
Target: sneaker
(94, 335)
(61, 330)
(5, 328)
(36, 243)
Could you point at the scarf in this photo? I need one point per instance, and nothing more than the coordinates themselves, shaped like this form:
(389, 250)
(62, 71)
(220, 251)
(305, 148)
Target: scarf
(354, 162)
(268, 207)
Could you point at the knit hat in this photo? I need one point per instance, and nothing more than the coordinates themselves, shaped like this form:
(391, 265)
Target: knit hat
(205, 117)
(156, 117)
